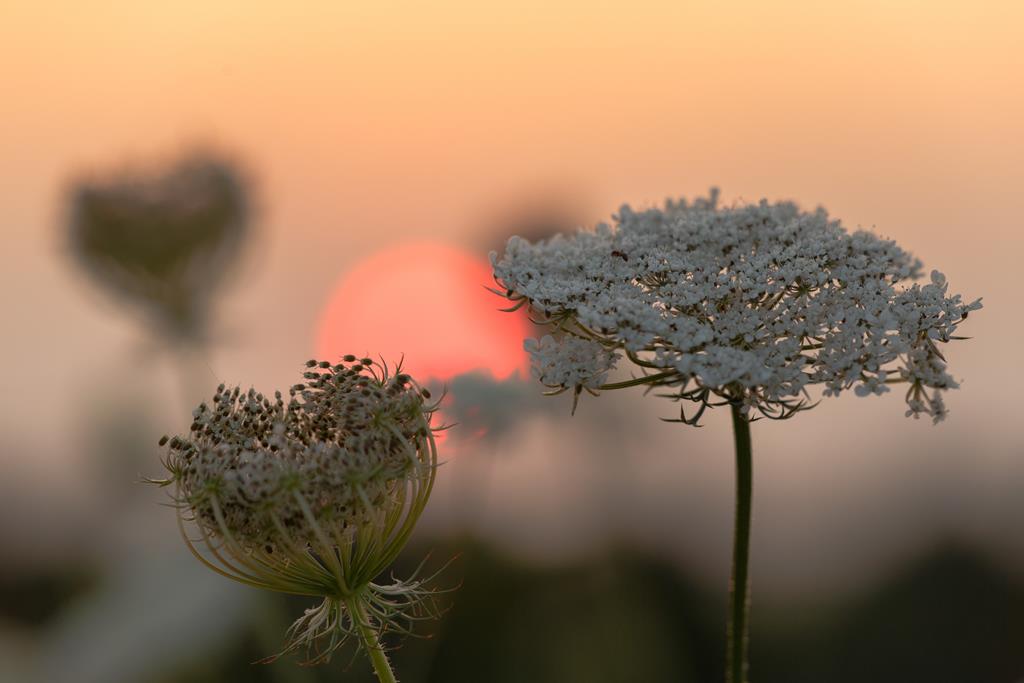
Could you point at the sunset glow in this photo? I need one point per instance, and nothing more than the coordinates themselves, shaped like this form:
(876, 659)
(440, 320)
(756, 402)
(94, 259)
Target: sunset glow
(425, 302)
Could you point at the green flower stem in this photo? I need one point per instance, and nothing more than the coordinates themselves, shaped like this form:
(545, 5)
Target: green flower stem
(373, 648)
(737, 630)
(636, 381)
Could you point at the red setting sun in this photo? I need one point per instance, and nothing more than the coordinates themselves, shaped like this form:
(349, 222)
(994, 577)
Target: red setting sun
(427, 302)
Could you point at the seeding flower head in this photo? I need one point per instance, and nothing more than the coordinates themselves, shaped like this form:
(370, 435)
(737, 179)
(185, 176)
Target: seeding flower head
(314, 495)
(749, 304)
(162, 238)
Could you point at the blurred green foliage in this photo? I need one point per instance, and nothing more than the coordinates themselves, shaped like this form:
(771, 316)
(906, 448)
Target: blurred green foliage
(625, 618)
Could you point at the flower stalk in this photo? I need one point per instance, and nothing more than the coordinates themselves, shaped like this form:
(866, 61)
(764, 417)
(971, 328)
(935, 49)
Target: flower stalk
(370, 643)
(738, 627)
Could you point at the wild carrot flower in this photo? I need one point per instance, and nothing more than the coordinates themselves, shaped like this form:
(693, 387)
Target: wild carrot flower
(162, 239)
(314, 494)
(748, 306)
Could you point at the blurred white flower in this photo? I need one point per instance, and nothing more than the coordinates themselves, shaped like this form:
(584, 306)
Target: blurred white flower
(570, 362)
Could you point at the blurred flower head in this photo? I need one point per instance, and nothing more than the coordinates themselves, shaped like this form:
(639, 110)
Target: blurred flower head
(314, 495)
(483, 407)
(749, 304)
(164, 238)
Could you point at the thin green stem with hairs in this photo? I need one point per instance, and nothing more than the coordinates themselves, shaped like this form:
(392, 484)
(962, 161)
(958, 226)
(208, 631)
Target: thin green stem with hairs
(370, 642)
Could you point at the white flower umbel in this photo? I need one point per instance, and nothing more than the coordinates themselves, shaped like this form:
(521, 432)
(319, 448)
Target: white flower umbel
(748, 306)
(313, 495)
(569, 362)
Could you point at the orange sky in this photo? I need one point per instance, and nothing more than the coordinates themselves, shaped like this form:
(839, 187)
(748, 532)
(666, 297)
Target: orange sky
(660, 98)
(366, 124)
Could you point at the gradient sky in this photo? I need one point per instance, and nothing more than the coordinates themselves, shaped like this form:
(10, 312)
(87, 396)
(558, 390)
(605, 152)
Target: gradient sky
(367, 124)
